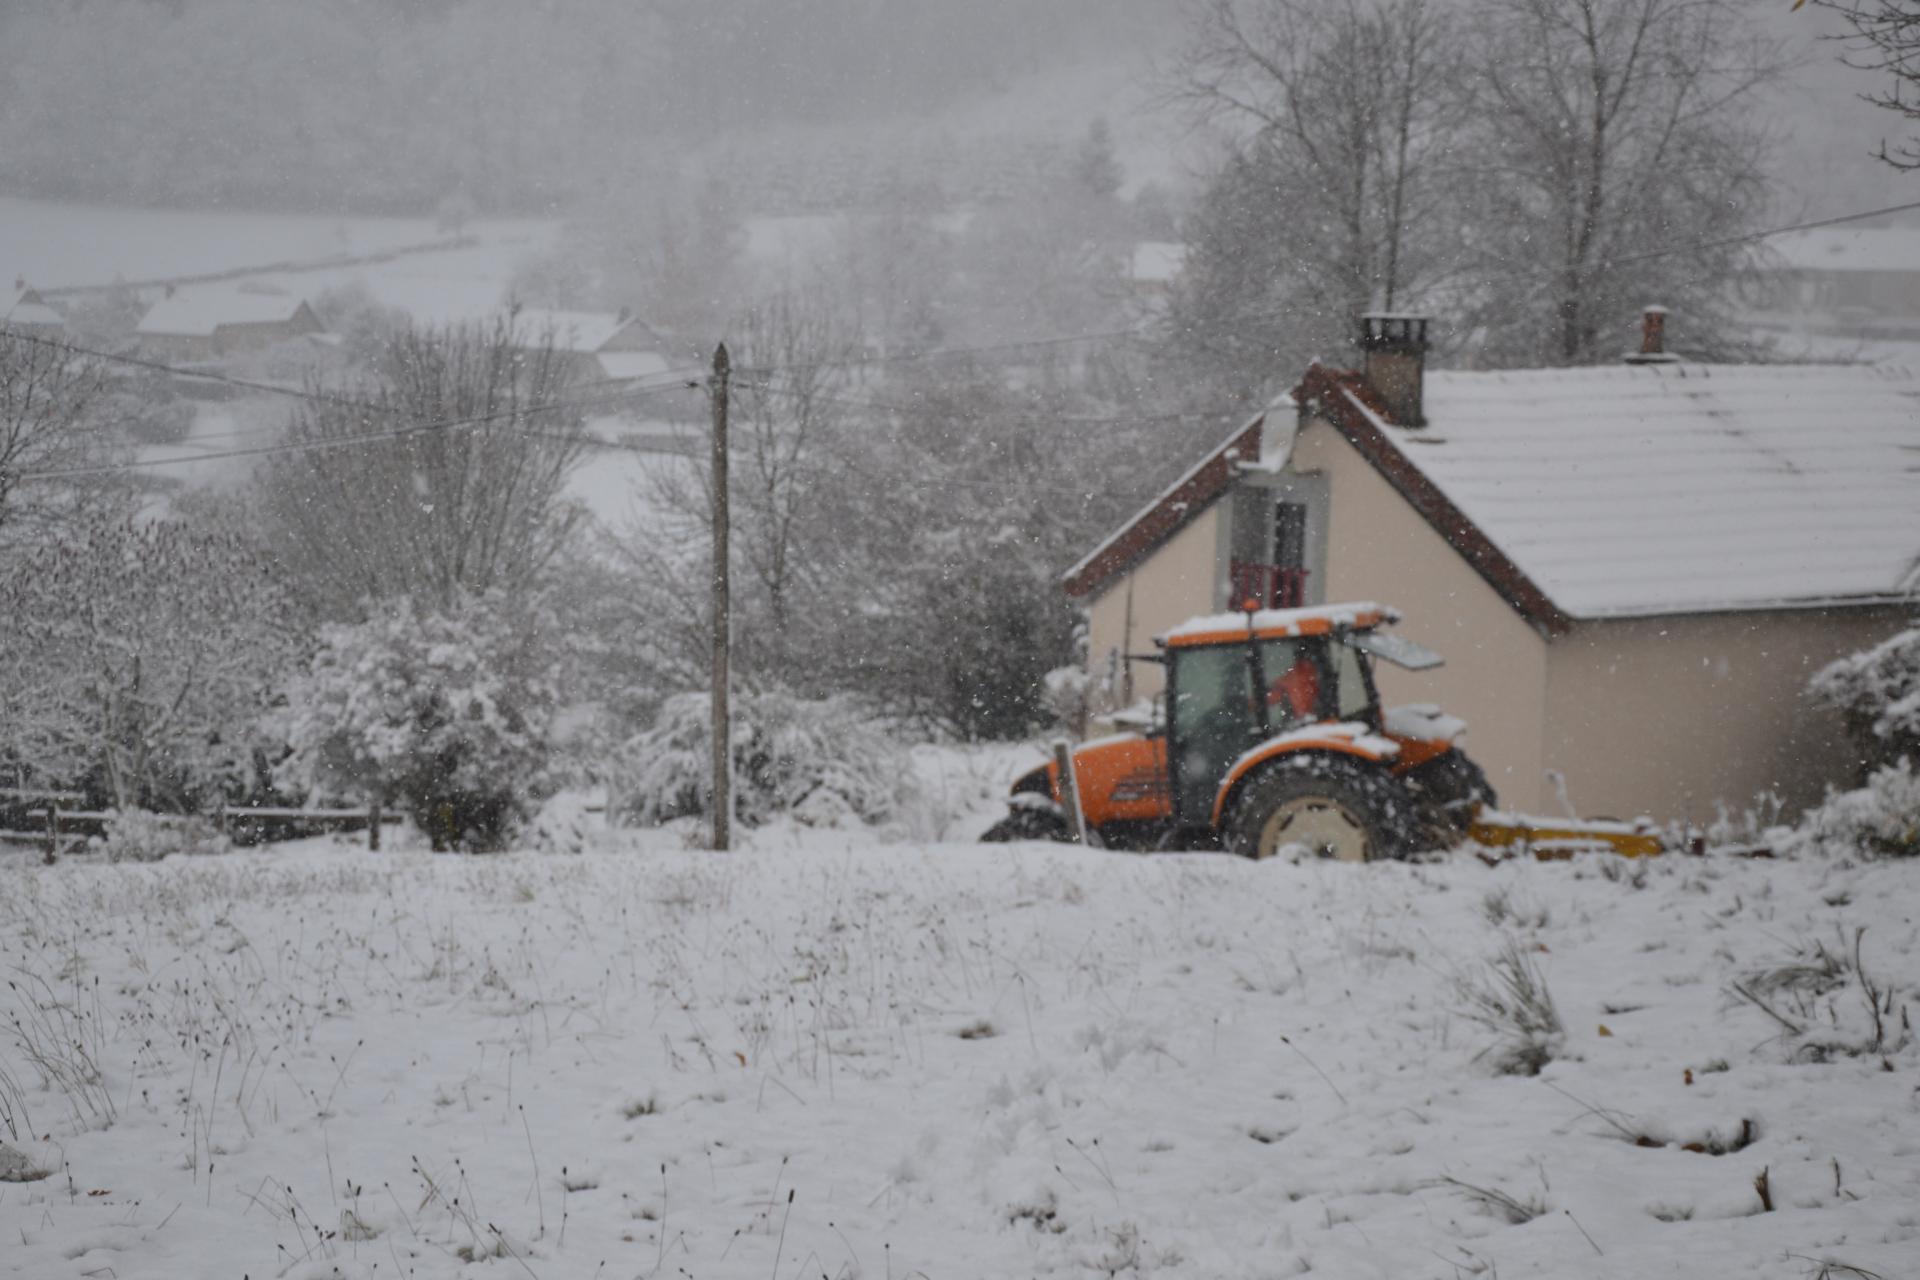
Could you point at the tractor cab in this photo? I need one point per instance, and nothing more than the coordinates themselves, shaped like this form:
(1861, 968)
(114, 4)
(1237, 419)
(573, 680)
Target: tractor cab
(1259, 705)
(1236, 681)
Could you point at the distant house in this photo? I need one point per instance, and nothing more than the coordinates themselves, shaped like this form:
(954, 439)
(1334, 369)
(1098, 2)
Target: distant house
(605, 345)
(25, 310)
(1852, 275)
(208, 324)
(1154, 266)
(1632, 570)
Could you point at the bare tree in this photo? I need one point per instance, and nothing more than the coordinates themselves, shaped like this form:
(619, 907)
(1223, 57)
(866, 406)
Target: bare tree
(790, 355)
(1885, 39)
(448, 477)
(1609, 130)
(1341, 121)
(48, 399)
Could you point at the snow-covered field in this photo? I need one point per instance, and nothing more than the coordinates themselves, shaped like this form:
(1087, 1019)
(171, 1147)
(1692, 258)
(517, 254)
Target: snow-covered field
(830, 1057)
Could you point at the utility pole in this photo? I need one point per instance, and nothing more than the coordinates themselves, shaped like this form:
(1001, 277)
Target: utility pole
(722, 734)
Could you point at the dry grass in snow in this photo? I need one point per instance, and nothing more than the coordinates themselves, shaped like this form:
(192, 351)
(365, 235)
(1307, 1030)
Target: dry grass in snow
(951, 1061)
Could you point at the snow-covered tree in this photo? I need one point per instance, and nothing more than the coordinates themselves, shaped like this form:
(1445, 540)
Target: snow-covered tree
(1605, 131)
(444, 712)
(1335, 197)
(134, 657)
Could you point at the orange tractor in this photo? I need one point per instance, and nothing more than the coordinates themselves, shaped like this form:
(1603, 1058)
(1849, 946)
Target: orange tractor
(1273, 738)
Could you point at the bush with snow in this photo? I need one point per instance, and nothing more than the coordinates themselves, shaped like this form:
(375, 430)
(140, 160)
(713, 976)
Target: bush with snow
(1880, 818)
(823, 763)
(444, 713)
(134, 835)
(1877, 691)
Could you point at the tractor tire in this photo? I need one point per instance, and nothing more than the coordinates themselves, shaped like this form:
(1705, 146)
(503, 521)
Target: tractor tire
(1028, 824)
(1336, 807)
(1448, 789)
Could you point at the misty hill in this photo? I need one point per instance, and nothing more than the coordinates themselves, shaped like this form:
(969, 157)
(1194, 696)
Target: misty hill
(531, 105)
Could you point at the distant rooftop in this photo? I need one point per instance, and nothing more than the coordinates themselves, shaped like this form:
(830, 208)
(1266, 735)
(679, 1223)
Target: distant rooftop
(1851, 249)
(198, 313)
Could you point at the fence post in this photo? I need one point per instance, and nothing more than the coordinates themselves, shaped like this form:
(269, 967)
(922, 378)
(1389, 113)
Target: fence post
(220, 816)
(1069, 791)
(373, 827)
(53, 831)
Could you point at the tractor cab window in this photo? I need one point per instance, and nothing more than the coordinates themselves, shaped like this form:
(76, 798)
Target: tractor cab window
(1350, 675)
(1295, 683)
(1214, 722)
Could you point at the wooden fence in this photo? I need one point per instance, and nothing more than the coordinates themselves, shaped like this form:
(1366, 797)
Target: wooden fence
(62, 830)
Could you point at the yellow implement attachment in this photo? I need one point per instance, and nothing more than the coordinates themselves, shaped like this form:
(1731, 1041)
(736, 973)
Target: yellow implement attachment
(1552, 838)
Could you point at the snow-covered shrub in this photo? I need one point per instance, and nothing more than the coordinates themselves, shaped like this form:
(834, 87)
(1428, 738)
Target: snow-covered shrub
(444, 713)
(134, 835)
(1882, 818)
(1877, 691)
(820, 762)
(1068, 698)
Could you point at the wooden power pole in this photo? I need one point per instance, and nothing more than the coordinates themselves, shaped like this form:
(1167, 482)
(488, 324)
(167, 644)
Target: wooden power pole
(722, 807)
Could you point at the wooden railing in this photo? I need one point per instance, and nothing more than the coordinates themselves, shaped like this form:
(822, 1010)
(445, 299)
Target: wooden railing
(1268, 586)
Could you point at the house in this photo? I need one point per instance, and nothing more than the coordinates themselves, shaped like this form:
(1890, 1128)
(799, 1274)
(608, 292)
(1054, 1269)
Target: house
(24, 310)
(605, 346)
(1858, 278)
(1633, 570)
(207, 324)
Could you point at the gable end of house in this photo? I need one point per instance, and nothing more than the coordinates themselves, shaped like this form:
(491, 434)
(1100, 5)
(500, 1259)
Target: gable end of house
(1346, 402)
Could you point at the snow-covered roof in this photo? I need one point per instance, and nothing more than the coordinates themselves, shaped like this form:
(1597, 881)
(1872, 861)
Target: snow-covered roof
(25, 307)
(581, 332)
(1315, 620)
(627, 365)
(198, 313)
(1158, 261)
(1682, 488)
(1851, 249)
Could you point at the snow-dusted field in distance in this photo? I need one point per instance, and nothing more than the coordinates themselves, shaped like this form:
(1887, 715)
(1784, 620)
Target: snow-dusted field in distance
(828, 1056)
(58, 244)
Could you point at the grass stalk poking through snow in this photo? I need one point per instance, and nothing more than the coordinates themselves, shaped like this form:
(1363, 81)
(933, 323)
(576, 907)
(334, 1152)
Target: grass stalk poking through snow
(1510, 998)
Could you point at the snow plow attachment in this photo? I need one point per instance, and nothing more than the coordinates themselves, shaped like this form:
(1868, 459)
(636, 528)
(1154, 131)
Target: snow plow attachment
(1549, 839)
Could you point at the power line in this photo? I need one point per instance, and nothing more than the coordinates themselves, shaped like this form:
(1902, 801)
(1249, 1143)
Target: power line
(1754, 236)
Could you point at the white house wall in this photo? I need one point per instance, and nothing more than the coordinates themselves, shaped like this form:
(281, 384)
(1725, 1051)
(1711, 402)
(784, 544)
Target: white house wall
(1495, 677)
(1173, 583)
(1677, 716)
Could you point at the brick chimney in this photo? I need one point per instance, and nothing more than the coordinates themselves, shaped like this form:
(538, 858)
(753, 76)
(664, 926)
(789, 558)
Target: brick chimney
(1394, 363)
(1653, 338)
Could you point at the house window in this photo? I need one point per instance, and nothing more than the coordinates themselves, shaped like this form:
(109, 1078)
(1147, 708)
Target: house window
(1269, 566)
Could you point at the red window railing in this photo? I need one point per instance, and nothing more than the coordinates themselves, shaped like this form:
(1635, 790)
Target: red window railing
(1268, 586)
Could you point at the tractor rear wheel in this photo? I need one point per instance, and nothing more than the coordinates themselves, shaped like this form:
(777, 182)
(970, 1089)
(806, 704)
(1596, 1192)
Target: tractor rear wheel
(1334, 807)
(1450, 790)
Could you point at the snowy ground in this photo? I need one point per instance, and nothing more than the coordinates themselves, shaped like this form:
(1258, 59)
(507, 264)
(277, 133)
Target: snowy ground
(830, 1057)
